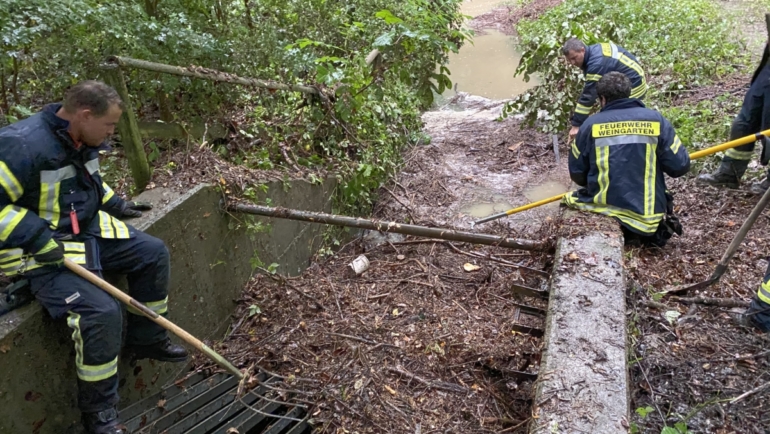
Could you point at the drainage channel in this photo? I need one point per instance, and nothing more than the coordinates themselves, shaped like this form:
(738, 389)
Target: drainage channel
(204, 404)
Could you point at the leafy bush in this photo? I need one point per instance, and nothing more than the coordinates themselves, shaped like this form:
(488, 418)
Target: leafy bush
(680, 44)
(358, 134)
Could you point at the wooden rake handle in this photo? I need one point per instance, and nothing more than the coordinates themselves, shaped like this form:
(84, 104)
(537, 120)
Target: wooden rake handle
(163, 322)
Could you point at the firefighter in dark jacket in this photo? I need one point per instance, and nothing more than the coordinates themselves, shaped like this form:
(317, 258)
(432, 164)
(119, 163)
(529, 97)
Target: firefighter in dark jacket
(619, 159)
(753, 118)
(54, 204)
(596, 61)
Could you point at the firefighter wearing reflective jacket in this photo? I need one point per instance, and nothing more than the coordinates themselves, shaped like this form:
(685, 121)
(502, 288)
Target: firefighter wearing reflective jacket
(596, 61)
(753, 118)
(619, 159)
(54, 204)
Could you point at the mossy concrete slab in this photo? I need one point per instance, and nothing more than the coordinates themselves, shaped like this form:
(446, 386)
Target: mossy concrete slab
(583, 381)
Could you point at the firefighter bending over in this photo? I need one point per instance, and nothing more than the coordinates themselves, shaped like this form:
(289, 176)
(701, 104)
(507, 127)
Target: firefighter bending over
(596, 61)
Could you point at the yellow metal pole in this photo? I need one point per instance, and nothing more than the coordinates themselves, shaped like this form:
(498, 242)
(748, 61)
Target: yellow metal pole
(694, 156)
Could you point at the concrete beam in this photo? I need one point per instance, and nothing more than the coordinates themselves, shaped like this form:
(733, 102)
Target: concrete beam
(211, 255)
(583, 381)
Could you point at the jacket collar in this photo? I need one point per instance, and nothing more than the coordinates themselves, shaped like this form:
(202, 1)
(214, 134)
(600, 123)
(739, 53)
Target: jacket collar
(623, 103)
(61, 128)
(586, 56)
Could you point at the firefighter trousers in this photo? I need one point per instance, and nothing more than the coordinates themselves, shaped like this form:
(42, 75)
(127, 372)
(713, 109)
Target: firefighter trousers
(760, 304)
(753, 117)
(96, 318)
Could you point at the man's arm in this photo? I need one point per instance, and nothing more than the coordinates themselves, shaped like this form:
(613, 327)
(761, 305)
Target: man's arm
(587, 99)
(579, 164)
(19, 227)
(115, 206)
(672, 155)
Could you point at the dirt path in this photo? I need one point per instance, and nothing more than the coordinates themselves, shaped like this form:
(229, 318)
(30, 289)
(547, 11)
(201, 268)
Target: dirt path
(476, 166)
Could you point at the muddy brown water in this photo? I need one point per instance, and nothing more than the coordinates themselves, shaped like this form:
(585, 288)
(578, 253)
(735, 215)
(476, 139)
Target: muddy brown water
(486, 66)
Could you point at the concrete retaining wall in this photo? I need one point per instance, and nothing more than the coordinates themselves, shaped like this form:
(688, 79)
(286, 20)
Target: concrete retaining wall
(583, 381)
(211, 254)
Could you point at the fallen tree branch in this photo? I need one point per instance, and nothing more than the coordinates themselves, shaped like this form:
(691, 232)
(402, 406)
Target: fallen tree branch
(709, 301)
(737, 359)
(654, 304)
(406, 207)
(281, 279)
(498, 260)
(750, 392)
(441, 385)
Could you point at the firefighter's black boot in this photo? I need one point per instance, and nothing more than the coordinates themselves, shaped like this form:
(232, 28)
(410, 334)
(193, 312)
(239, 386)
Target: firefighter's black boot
(163, 351)
(756, 316)
(728, 174)
(759, 188)
(103, 422)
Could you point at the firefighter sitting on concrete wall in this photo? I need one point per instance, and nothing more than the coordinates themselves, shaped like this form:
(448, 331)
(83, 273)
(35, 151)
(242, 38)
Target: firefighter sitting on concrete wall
(54, 204)
(619, 157)
(753, 118)
(596, 61)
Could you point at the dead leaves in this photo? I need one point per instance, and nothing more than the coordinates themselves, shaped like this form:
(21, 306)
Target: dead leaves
(515, 146)
(470, 267)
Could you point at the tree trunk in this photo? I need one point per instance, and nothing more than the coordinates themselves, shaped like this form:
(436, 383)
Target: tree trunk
(249, 21)
(221, 14)
(15, 81)
(129, 131)
(163, 105)
(151, 8)
(3, 91)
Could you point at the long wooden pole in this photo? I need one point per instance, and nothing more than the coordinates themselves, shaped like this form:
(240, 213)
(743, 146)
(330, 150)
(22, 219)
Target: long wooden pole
(163, 322)
(207, 74)
(694, 156)
(385, 226)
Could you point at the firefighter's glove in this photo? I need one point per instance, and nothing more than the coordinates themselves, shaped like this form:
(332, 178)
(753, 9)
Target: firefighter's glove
(51, 254)
(129, 209)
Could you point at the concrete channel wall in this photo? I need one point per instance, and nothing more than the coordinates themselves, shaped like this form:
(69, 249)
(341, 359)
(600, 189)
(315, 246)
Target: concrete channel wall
(211, 255)
(583, 382)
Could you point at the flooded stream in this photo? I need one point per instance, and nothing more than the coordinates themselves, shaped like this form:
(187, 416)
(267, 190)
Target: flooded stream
(486, 66)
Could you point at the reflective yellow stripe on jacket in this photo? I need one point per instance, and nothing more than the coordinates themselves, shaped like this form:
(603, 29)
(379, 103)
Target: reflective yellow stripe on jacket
(112, 228)
(14, 261)
(645, 224)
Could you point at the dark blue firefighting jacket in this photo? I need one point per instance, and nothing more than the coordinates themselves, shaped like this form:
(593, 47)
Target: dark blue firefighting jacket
(44, 178)
(620, 156)
(599, 60)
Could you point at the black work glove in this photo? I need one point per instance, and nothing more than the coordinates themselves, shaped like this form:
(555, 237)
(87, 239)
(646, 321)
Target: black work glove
(129, 209)
(51, 254)
(674, 224)
(669, 203)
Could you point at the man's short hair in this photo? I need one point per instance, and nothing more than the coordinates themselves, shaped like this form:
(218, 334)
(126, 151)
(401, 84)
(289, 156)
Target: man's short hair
(613, 85)
(93, 95)
(572, 44)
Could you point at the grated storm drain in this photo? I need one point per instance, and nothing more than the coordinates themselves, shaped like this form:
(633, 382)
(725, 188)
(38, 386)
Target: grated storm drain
(208, 405)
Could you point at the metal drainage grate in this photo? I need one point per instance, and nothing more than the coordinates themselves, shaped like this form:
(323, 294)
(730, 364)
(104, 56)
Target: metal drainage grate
(207, 405)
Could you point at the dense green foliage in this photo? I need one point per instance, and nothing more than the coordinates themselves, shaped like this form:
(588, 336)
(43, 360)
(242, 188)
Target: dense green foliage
(372, 111)
(680, 44)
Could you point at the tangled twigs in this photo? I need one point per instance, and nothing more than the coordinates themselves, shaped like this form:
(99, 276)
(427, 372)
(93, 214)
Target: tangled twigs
(441, 385)
(750, 392)
(356, 338)
(285, 282)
